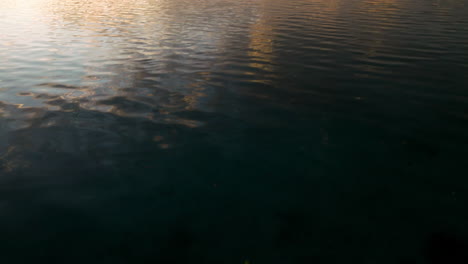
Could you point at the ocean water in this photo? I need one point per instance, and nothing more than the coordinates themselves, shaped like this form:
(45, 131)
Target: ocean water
(222, 131)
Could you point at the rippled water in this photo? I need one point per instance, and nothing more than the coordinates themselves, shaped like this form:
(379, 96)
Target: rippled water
(222, 131)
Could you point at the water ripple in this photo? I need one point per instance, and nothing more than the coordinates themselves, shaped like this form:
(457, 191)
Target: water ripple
(260, 95)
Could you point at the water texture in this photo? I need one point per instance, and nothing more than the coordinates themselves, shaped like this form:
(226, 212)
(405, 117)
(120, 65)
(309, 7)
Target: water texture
(222, 131)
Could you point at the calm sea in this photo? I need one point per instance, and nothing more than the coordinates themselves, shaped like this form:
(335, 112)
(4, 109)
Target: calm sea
(233, 131)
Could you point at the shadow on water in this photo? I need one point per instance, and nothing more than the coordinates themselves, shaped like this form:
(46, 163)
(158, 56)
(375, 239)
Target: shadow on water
(446, 248)
(83, 184)
(123, 186)
(73, 174)
(128, 184)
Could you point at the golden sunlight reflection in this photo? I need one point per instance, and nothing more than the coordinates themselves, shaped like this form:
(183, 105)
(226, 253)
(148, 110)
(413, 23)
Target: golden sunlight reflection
(109, 43)
(261, 44)
(164, 146)
(158, 138)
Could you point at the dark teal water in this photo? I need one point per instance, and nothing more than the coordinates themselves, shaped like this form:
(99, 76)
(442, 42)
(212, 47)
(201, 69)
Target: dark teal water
(222, 131)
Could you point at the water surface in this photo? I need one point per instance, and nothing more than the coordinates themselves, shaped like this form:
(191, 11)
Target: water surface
(222, 131)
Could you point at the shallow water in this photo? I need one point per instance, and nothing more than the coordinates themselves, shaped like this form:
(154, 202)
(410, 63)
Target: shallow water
(221, 131)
